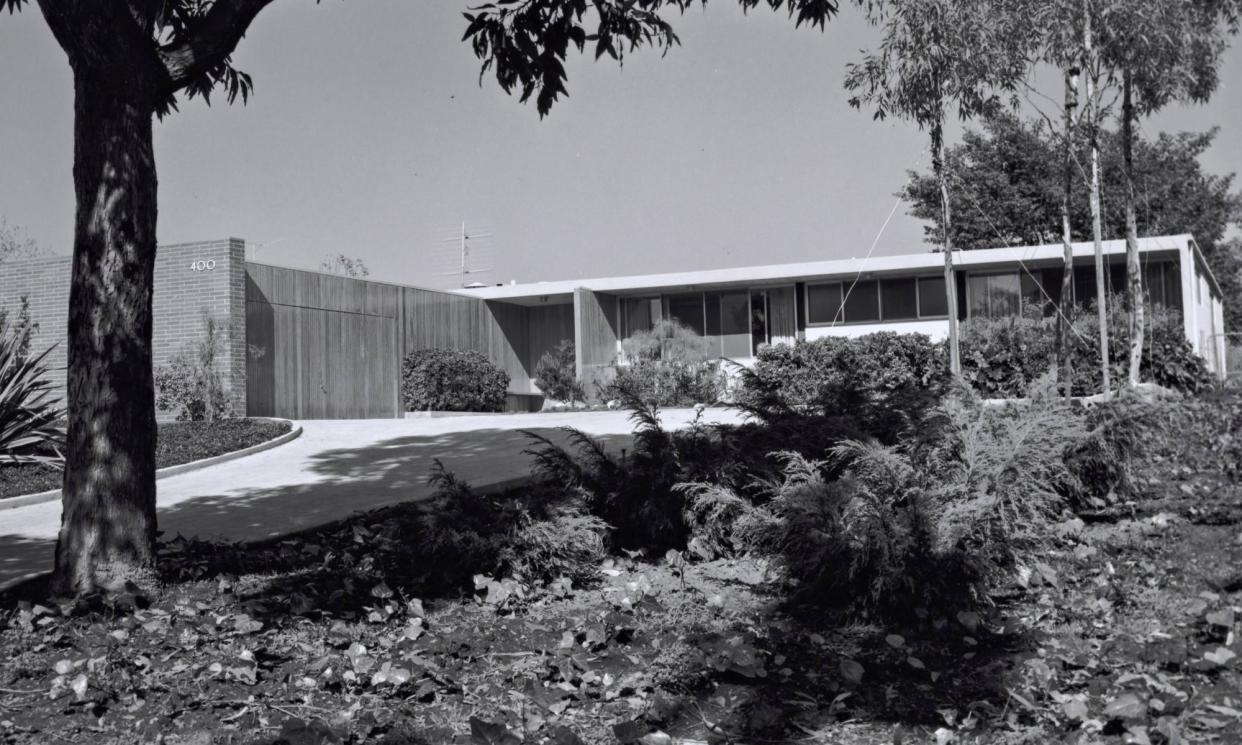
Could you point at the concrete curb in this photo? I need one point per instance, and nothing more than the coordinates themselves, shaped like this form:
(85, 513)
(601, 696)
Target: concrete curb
(294, 432)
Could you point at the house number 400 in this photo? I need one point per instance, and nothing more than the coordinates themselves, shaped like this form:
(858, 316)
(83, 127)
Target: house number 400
(202, 266)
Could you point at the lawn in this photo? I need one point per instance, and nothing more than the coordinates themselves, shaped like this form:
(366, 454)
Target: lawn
(176, 443)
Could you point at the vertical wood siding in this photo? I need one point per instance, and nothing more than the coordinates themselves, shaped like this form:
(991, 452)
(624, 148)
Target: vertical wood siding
(595, 337)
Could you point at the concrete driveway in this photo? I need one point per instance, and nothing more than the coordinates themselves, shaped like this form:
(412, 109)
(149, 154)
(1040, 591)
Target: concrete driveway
(336, 468)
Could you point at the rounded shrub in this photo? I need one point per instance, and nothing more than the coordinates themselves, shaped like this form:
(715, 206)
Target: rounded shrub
(452, 380)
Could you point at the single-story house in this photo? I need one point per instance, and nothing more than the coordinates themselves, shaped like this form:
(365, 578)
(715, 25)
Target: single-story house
(305, 344)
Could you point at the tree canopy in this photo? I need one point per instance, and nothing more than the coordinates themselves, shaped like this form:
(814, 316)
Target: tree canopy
(1007, 188)
(1007, 191)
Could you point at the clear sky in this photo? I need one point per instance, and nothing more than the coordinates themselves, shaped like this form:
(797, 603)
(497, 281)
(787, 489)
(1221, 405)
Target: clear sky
(370, 136)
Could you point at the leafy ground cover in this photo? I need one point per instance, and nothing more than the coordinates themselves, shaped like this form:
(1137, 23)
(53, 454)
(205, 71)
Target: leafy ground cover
(176, 443)
(1125, 632)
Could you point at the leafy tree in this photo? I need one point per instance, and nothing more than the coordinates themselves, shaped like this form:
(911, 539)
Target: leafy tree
(342, 264)
(14, 244)
(135, 59)
(1005, 181)
(936, 54)
(1162, 51)
(1005, 191)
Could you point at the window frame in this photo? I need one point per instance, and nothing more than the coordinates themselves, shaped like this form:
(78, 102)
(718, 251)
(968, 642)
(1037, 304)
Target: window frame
(840, 283)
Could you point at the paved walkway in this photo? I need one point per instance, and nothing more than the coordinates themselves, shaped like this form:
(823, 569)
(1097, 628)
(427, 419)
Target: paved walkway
(337, 467)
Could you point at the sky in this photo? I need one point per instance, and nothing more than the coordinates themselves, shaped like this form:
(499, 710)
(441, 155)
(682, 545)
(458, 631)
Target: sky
(369, 135)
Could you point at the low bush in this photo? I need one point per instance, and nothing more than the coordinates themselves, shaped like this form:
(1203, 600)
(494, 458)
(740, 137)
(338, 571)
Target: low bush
(1000, 357)
(530, 533)
(556, 374)
(670, 365)
(190, 384)
(452, 380)
(883, 379)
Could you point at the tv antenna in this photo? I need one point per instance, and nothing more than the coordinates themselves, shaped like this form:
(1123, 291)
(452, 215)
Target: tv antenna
(463, 239)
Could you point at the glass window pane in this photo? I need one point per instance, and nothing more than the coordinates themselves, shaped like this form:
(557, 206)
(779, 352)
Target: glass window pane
(637, 315)
(688, 309)
(1173, 286)
(823, 303)
(897, 299)
(932, 299)
(735, 325)
(1033, 300)
(863, 302)
(1004, 291)
(758, 318)
(977, 296)
(1153, 283)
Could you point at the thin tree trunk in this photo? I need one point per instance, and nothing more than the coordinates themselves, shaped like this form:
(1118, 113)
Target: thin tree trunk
(1134, 272)
(108, 527)
(1065, 315)
(950, 285)
(1097, 231)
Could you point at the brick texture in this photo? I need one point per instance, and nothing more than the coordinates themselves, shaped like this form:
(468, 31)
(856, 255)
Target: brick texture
(192, 280)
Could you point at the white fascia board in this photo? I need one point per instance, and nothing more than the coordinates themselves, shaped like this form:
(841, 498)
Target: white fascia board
(754, 276)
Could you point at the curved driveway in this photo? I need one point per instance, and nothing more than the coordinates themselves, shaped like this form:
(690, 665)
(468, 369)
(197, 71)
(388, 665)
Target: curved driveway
(336, 468)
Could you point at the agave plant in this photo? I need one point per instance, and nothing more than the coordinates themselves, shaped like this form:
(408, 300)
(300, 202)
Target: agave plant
(29, 410)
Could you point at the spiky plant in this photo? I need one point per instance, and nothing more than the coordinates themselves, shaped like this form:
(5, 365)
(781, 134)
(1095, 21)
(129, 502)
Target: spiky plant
(29, 409)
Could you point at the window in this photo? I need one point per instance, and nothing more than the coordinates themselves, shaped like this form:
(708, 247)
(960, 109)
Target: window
(734, 309)
(933, 300)
(994, 295)
(688, 309)
(862, 303)
(823, 303)
(758, 318)
(899, 299)
(640, 314)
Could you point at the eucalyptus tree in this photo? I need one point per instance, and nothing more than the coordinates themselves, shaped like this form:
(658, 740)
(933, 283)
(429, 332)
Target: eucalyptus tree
(935, 55)
(133, 60)
(1158, 51)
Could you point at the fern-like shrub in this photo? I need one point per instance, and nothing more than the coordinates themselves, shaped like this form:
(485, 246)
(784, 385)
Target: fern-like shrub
(879, 530)
(533, 534)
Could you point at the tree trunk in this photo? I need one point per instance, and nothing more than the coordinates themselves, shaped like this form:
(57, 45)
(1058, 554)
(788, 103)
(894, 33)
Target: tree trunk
(1134, 272)
(1065, 314)
(108, 527)
(1097, 231)
(950, 285)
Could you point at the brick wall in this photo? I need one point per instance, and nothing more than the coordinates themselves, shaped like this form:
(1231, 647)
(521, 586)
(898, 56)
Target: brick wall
(191, 279)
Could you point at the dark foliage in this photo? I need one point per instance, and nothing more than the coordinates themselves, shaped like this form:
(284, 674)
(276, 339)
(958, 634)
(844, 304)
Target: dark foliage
(452, 380)
(556, 374)
(1001, 357)
(881, 380)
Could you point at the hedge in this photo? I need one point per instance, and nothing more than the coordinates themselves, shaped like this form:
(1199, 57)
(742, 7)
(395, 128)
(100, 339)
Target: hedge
(452, 380)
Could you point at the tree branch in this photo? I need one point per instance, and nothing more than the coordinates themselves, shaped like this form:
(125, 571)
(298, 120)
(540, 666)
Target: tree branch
(209, 42)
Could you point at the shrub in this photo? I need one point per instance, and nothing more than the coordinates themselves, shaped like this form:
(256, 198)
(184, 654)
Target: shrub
(535, 534)
(556, 374)
(670, 365)
(190, 384)
(452, 380)
(881, 530)
(883, 380)
(30, 430)
(1000, 357)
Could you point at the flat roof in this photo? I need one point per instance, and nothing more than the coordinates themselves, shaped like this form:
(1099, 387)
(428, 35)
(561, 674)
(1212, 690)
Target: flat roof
(534, 293)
